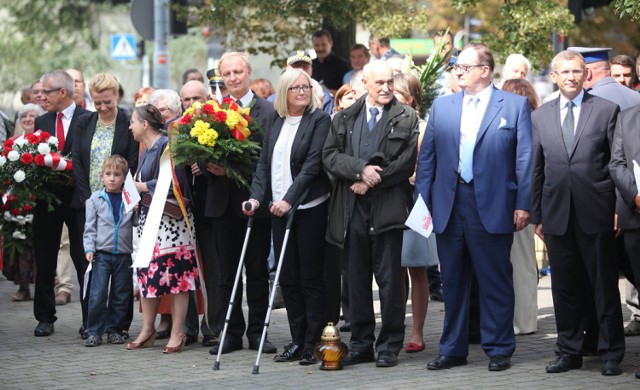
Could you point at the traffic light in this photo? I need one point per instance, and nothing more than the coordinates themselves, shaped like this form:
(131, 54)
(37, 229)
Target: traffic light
(140, 49)
(177, 26)
(581, 8)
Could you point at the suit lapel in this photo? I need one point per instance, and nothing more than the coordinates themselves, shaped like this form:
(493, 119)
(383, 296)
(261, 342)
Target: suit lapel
(456, 116)
(300, 134)
(494, 106)
(585, 112)
(120, 133)
(274, 133)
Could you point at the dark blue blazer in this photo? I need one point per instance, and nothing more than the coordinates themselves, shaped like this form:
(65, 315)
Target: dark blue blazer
(501, 160)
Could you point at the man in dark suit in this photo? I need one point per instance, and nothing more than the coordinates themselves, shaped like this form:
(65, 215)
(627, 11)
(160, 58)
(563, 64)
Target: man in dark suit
(223, 206)
(59, 121)
(474, 173)
(371, 153)
(626, 149)
(572, 205)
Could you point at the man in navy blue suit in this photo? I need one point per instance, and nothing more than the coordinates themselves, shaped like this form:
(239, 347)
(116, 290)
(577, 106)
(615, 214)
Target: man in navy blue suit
(474, 173)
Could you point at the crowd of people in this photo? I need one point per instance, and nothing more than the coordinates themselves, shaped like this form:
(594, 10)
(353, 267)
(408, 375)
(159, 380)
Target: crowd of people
(346, 147)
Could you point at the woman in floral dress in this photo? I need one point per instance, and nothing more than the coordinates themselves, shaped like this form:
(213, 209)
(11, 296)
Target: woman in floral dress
(173, 269)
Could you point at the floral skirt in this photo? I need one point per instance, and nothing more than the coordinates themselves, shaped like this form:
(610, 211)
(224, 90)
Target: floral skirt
(173, 268)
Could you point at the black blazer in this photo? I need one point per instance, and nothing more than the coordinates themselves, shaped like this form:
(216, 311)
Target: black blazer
(47, 122)
(626, 148)
(305, 162)
(223, 192)
(123, 144)
(582, 177)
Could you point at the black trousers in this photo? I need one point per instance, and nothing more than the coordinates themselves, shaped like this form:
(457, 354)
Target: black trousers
(302, 272)
(211, 281)
(228, 235)
(374, 255)
(582, 266)
(47, 231)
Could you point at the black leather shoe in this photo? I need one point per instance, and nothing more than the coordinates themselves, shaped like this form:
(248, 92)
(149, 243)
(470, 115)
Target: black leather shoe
(358, 357)
(291, 352)
(444, 362)
(191, 339)
(346, 327)
(386, 359)
(43, 329)
(638, 374)
(308, 358)
(436, 295)
(209, 341)
(499, 363)
(254, 344)
(564, 363)
(611, 368)
(229, 345)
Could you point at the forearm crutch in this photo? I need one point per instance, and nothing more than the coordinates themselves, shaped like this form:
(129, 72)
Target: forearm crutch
(216, 365)
(267, 319)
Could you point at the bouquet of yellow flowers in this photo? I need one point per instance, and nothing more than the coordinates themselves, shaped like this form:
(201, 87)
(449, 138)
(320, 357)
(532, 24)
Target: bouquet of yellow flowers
(222, 133)
(30, 168)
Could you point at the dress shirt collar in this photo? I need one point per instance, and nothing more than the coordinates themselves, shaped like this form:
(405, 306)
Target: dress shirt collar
(246, 99)
(483, 95)
(67, 113)
(576, 100)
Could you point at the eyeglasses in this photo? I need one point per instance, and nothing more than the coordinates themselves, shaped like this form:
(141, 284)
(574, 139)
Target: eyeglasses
(466, 68)
(567, 73)
(49, 91)
(298, 88)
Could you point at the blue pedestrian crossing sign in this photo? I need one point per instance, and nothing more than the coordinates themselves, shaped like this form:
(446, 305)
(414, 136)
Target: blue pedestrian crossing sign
(123, 47)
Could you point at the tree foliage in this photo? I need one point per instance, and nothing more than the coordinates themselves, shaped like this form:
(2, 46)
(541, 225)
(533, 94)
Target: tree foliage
(277, 27)
(41, 35)
(524, 26)
(627, 8)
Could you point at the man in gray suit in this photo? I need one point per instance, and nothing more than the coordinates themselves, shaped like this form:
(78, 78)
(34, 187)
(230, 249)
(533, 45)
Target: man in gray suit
(572, 138)
(626, 149)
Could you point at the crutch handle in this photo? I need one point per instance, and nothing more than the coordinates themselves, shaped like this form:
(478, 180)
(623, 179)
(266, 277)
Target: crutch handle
(294, 208)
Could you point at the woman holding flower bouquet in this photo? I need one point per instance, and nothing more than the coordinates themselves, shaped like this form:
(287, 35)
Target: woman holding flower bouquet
(290, 165)
(172, 270)
(22, 269)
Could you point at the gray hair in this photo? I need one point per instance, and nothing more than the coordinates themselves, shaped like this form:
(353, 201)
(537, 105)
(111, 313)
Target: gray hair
(30, 107)
(375, 66)
(170, 98)
(60, 79)
(567, 55)
(243, 56)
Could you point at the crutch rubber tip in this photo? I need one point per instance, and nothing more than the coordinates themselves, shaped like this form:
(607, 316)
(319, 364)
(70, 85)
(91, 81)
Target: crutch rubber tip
(216, 366)
(256, 370)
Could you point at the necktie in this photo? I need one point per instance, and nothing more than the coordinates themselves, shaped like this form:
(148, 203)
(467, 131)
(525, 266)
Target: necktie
(373, 120)
(568, 128)
(239, 103)
(60, 132)
(466, 157)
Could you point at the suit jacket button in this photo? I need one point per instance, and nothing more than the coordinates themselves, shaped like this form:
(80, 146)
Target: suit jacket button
(370, 229)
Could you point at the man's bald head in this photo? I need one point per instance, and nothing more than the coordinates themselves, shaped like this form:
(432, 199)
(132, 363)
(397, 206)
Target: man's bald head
(193, 91)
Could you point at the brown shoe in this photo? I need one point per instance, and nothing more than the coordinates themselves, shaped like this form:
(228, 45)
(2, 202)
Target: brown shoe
(21, 295)
(63, 298)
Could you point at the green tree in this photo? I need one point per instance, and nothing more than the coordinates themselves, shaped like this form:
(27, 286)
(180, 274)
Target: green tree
(524, 26)
(41, 35)
(277, 27)
(628, 8)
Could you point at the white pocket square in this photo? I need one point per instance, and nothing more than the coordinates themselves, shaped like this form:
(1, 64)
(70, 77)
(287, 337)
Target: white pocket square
(503, 123)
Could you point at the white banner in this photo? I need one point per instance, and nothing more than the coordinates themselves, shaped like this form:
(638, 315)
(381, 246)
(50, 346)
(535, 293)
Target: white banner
(152, 223)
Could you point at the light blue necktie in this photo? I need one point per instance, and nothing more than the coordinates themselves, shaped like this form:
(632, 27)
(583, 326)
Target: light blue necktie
(373, 120)
(466, 157)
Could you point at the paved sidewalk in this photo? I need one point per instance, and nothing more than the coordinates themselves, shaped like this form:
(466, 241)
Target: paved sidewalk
(62, 362)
